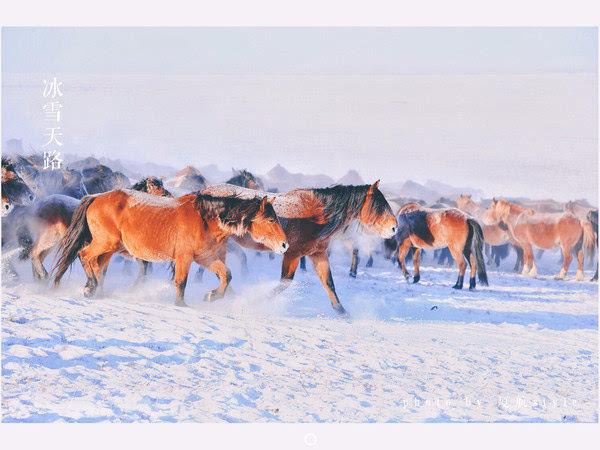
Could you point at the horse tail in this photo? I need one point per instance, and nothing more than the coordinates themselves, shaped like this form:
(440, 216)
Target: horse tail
(477, 249)
(589, 238)
(77, 235)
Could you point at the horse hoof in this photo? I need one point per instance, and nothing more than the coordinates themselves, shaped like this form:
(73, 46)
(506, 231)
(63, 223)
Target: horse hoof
(89, 292)
(339, 308)
(456, 286)
(212, 296)
(416, 279)
(181, 304)
(352, 274)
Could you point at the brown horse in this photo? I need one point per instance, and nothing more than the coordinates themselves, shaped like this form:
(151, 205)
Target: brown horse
(51, 217)
(421, 227)
(312, 217)
(194, 227)
(14, 190)
(495, 233)
(545, 231)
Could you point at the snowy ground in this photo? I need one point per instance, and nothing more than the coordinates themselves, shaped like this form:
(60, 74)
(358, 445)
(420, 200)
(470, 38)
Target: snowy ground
(520, 350)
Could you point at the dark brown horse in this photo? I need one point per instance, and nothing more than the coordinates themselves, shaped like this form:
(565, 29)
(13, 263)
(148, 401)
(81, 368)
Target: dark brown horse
(246, 179)
(102, 178)
(312, 217)
(426, 228)
(14, 190)
(194, 227)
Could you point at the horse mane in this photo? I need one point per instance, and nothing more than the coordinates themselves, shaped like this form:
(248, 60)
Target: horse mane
(233, 212)
(342, 203)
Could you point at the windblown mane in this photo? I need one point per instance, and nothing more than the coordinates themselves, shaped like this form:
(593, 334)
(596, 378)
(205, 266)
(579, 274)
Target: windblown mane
(342, 203)
(233, 212)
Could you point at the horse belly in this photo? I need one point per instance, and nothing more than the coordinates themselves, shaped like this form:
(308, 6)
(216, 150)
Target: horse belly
(494, 235)
(543, 236)
(149, 236)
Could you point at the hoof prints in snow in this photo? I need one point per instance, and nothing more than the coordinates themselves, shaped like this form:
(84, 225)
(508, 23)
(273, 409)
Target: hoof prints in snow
(418, 353)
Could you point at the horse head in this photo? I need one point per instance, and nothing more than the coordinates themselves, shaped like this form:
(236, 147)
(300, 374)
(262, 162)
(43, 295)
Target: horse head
(266, 229)
(14, 190)
(376, 213)
(464, 202)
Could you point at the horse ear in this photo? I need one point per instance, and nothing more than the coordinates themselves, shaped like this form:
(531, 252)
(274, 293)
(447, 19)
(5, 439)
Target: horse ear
(494, 200)
(373, 187)
(263, 203)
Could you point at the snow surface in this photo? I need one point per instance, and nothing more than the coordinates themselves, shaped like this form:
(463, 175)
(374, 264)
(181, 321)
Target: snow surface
(406, 352)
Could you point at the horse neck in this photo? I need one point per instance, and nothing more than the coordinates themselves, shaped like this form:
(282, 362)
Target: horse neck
(340, 217)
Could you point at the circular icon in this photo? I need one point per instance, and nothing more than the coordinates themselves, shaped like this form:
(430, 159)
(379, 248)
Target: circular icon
(310, 439)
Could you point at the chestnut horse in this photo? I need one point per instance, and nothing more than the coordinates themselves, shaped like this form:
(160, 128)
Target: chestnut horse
(312, 217)
(495, 233)
(592, 216)
(194, 227)
(51, 217)
(545, 231)
(422, 227)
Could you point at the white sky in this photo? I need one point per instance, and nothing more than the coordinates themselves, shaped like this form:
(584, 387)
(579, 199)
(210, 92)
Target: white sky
(511, 111)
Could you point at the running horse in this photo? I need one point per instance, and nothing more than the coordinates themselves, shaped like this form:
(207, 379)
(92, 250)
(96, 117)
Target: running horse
(546, 231)
(14, 190)
(194, 227)
(421, 228)
(312, 217)
(50, 218)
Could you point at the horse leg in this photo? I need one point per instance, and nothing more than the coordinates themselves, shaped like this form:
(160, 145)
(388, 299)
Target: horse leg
(354, 264)
(142, 272)
(303, 263)
(321, 264)
(182, 267)
(489, 254)
(416, 265)
(566, 261)
(237, 250)
(402, 251)
(519, 261)
(579, 275)
(103, 261)
(369, 261)
(457, 255)
(224, 274)
(89, 259)
(199, 274)
(473, 267)
(40, 250)
(595, 277)
(527, 258)
(288, 270)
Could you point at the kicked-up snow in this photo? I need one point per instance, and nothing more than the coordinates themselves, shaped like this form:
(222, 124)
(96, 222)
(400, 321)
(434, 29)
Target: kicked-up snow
(519, 350)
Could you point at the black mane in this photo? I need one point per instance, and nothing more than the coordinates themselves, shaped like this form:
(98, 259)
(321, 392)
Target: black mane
(231, 211)
(343, 203)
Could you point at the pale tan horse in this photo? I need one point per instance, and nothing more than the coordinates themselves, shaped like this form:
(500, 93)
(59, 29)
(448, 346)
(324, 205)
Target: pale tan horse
(546, 231)
(493, 232)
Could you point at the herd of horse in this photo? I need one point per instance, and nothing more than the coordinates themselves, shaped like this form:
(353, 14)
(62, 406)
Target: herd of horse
(92, 213)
